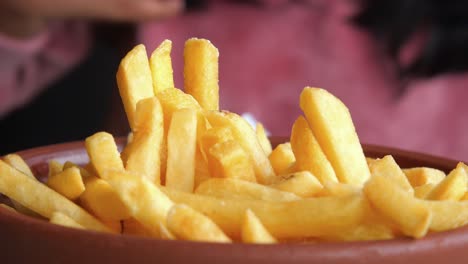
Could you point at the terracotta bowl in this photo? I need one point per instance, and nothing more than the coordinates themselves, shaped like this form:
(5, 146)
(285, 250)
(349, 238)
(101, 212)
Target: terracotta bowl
(27, 240)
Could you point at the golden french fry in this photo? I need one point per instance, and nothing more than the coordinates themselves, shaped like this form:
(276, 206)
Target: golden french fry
(161, 67)
(448, 214)
(253, 230)
(422, 191)
(263, 139)
(42, 200)
(309, 155)
(239, 189)
(422, 175)
(103, 153)
(188, 224)
(229, 160)
(68, 183)
(103, 201)
(143, 154)
(181, 146)
(215, 135)
(84, 172)
(18, 163)
(59, 218)
(409, 214)
(134, 80)
(452, 187)
(55, 167)
(301, 183)
(333, 127)
(245, 135)
(365, 232)
(146, 203)
(201, 72)
(281, 158)
(387, 167)
(339, 189)
(312, 217)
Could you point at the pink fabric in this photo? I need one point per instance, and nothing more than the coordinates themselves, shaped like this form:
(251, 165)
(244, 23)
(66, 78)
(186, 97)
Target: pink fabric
(267, 56)
(28, 66)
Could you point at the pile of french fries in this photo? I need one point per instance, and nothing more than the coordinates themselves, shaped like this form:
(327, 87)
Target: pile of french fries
(193, 172)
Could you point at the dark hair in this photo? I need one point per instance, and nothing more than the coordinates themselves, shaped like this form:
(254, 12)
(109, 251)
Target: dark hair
(393, 22)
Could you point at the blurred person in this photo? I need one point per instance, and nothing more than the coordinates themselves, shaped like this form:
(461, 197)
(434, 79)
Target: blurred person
(57, 72)
(400, 66)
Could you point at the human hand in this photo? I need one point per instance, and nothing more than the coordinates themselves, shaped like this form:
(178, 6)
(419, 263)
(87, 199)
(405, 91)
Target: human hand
(23, 18)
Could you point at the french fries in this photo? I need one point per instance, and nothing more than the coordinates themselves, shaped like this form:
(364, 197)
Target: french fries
(194, 172)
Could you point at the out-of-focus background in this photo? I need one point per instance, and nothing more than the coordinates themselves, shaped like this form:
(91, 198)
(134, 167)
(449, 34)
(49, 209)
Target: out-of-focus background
(398, 65)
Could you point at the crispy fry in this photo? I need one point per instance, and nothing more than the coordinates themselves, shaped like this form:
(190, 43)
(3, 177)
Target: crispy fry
(103, 153)
(308, 153)
(333, 127)
(409, 214)
(181, 146)
(103, 201)
(161, 67)
(42, 200)
(201, 72)
(301, 183)
(313, 217)
(423, 175)
(229, 160)
(240, 189)
(452, 187)
(54, 167)
(263, 138)
(245, 135)
(143, 154)
(59, 218)
(253, 230)
(422, 190)
(188, 224)
(134, 80)
(68, 183)
(448, 214)
(146, 203)
(387, 167)
(281, 158)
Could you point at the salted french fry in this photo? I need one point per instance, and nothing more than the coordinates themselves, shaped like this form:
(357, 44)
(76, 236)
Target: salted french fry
(312, 217)
(281, 158)
(103, 153)
(201, 72)
(143, 154)
(54, 167)
(334, 130)
(215, 135)
(59, 218)
(229, 160)
(309, 155)
(263, 139)
(245, 135)
(452, 187)
(103, 201)
(338, 189)
(202, 171)
(447, 214)
(423, 175)
(253, 230)
(84, 172)
(134, 80)
(188, 224)
(18, 163)
(43, 200)
(409, 214)
(146, 203)
(181, 146)
(387, 167)
(301, 183)
(68, 183)
(161, 67)
(422, 191)
(239, 189)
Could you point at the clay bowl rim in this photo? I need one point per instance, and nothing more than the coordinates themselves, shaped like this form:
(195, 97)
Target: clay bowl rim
(456, 237)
